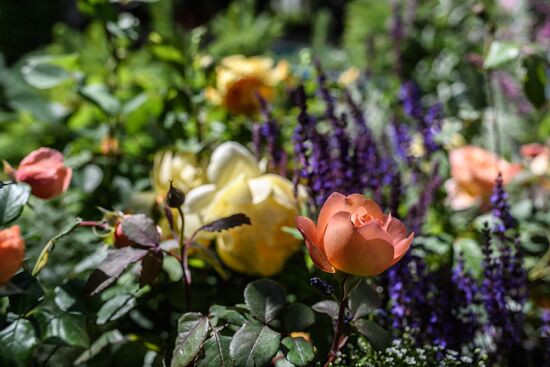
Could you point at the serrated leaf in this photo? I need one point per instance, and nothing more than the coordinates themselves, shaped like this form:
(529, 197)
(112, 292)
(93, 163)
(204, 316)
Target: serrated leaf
(300, 352)
(192, 332)
(265, 298)
(379, 338)
(216, 351)
(141, 230)
(228, 315)
(254, 345)
(363, 300)
(115, 308)
(49, 246)
(223, 224)
(111, 268)
(63, 328)
(327, 307)
(298, 317)
(100, 96)
(105, 340)
(151, 266)
(17, 342)
(13, 199)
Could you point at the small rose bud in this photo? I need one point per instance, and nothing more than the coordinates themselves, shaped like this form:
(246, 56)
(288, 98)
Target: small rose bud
(121, 240)
(44, 170)
(175, 197)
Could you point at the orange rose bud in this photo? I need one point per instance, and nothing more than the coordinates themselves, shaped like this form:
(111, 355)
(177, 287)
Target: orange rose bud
(45, 172)
(12, 252)
(354, 236)
(474, 171)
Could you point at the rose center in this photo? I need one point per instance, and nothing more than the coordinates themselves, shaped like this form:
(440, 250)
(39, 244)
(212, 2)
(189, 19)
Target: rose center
(361, 218)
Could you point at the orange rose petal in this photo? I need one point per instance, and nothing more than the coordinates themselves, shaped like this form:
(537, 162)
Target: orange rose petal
(337, 202)
(396, 229)
(309, 232)
(402, 247)
(360, 251)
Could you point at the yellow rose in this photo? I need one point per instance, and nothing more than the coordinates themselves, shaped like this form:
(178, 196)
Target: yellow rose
(238, 186)
(180, 168)
(239, 79)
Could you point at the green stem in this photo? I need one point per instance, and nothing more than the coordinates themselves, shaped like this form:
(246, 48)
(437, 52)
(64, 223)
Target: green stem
(338, 334)
(184, 262)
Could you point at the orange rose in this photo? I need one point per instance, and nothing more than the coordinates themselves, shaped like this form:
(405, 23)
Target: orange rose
(354, 236)
(12, 251)
(473, 172)
(45, 172)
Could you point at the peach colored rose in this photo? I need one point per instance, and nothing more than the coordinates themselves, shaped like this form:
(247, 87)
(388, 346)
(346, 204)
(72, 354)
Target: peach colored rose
(473, 172)
(354, 236)
(12, 251)
(45, 172)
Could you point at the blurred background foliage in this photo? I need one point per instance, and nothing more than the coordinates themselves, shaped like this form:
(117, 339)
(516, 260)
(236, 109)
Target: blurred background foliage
(111, 82)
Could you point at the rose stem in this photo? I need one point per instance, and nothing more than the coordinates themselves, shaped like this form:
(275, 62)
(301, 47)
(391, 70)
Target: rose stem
(335, 347)
(184, 263)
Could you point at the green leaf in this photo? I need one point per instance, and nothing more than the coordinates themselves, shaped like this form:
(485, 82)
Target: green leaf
(471, 252)
(227, 315)
(39, 72)
(17, 343)
(379, 338)
(265, 298)
(328, 307)
(192, 332)
(300, 352)
(32, 293)
(141, 230)
(45, 253)
(298, 317)
(254, 345)
(115, 308)
(535, 81)
(500, 53)
(106, 339)
(100, 96)
(63, 328)
(363, 300)
(12, 200)
(216, 351)
(92, 177)
(9, 289)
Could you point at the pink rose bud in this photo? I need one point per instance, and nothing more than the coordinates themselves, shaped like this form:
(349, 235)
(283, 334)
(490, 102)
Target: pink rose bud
(45, 172)
(354, 236)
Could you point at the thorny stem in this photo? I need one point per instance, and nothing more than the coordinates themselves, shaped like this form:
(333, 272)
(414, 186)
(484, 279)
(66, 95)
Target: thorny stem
(94, 224)
(338, 334)
(184, 245)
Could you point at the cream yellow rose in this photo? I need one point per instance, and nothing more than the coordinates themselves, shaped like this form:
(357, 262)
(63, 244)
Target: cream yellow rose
(237, 185)
(239, 79)
(181, 168)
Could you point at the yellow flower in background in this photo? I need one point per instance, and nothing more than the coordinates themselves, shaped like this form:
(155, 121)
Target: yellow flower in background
(236, 185)
(181, 168)
(349, 76)
(239, 79)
